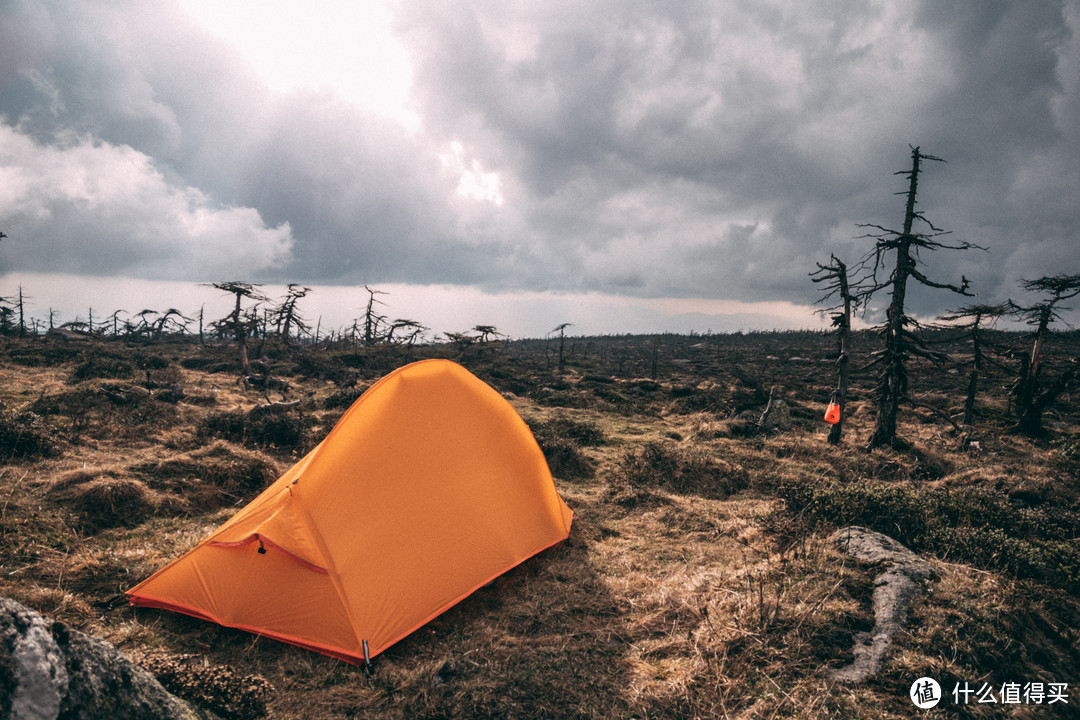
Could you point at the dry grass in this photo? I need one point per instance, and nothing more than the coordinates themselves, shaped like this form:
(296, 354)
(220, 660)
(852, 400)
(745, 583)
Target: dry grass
(688, 587)
(219, 474)
(101, 501)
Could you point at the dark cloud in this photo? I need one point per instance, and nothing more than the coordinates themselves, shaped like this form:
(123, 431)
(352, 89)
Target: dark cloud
(646, 149)
(363, 197)
(650, 138)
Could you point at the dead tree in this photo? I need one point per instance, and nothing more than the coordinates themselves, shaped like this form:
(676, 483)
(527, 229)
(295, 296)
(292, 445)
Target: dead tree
(238, 323)
(154, 328)
(1032, 395)
(285, 316)
(7, 315)
(461, 340)
(835, 274)
(970, 318)
(486, 333)
(141, 324)
(260, 321)
(10, 308)
(372, 321)
(114, 320)
(412, 330)
(22, 310)
(561, 329)
(173, 320)
(898, 331)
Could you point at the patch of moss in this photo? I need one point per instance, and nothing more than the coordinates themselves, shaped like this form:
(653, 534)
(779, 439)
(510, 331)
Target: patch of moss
(975, 525)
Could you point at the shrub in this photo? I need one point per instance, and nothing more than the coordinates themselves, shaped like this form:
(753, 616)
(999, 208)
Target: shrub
(512, 382)
(689, 400)
(343, 399)
(149, 361)
(262, 426)
(622, 402)
(975, 525)
(109, 410)
(210, 477)
(42, 354)
(99, 366)
(565, 459)
(561, 439)
(552, 397)
(104, 501)
(582, 432)
(667, 465)
(211, 365)
(26, 435)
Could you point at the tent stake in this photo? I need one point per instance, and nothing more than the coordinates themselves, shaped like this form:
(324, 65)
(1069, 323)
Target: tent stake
(367, 659)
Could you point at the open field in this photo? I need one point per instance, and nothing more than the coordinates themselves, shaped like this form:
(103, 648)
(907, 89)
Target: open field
(696, 581)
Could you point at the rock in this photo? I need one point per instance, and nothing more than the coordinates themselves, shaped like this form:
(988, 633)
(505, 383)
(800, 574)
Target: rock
(773, 418)
(48, 671)
(777, 418)
(895, 588)
(874, 548)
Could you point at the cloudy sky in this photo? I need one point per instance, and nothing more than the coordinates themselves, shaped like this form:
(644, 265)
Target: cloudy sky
(624, 166)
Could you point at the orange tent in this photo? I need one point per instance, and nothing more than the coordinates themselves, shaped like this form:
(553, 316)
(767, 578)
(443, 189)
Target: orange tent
(429, 487)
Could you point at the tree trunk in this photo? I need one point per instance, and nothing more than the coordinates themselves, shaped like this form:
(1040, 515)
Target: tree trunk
(969, 401)
(892, 385)
(843, 333)
(240, 334)
(22, 316)
(973, 378)
(1030, 421)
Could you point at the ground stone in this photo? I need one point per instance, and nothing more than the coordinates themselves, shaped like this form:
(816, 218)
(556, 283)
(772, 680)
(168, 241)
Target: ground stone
(895, 588)
(49, 671)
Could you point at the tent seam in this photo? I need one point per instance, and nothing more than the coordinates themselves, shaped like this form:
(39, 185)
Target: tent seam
(331, 566)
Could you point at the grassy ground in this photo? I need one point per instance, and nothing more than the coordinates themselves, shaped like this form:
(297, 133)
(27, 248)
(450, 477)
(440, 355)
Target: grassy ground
(696, 582)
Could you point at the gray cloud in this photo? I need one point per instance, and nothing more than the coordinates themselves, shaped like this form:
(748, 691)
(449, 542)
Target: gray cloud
(83, 206)
(654, 137)
(363, 198)
(643, 149)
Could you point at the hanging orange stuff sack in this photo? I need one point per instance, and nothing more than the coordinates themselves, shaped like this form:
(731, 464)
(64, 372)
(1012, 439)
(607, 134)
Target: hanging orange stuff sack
(832, 413)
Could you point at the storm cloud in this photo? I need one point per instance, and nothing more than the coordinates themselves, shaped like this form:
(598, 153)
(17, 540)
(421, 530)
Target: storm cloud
(709, 150)
(716, 148)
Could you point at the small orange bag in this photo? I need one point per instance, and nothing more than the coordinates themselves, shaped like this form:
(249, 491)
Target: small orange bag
(832, 414)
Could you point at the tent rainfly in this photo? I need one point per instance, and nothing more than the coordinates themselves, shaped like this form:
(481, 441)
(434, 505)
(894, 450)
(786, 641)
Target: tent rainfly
(429, 487)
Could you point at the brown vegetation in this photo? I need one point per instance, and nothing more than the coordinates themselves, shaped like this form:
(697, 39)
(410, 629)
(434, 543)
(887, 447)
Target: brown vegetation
(697, 581)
